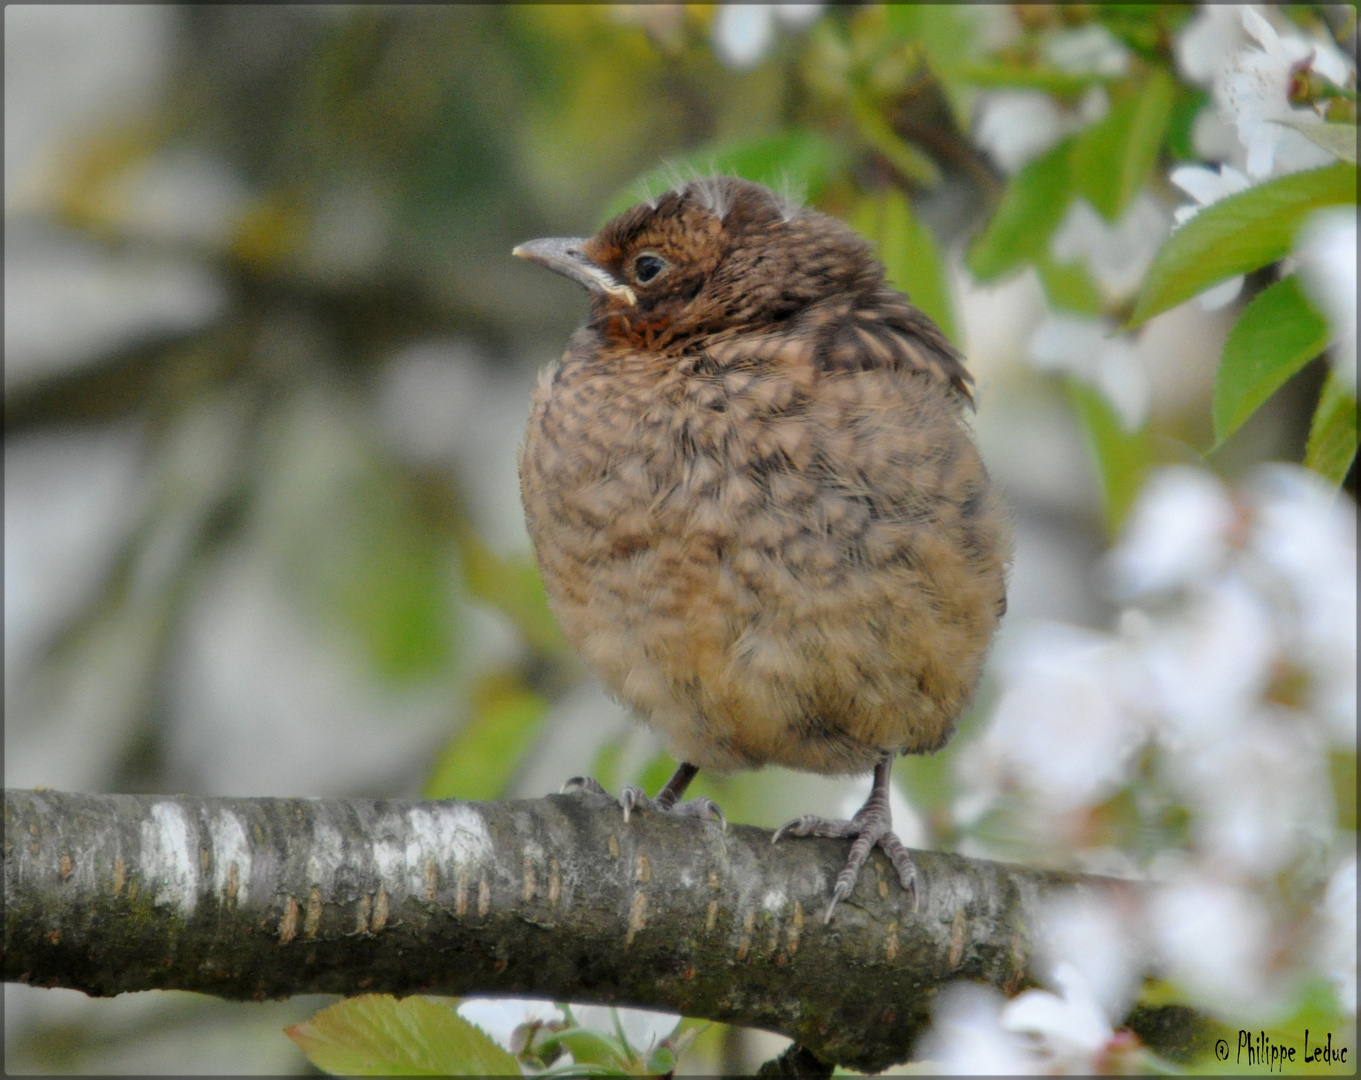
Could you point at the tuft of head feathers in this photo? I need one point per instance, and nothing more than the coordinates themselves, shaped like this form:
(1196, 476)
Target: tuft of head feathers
(712, 189)
(714, 193)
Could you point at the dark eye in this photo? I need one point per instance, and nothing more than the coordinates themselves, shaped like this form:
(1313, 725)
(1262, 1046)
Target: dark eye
(647, 266)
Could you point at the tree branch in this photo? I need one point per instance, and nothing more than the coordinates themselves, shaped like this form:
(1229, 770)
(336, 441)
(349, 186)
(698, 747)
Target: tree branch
(555, 898)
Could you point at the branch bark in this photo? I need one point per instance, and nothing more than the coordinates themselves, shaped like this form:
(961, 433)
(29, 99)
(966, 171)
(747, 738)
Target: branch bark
(555, 898)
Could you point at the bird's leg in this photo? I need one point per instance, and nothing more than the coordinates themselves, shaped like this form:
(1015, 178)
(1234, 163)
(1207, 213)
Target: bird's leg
(674, 788)
(632, 797)
(872, 825)
(668, 799)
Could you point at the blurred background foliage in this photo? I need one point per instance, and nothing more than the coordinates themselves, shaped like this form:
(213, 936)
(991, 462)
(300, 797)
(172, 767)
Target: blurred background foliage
(268, 362)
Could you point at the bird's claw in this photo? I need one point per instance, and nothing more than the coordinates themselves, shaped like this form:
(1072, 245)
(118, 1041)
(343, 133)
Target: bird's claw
(808, 825)
(587, 785)
(702, 808)
(870, 828)
(632, 797)
(842, 890)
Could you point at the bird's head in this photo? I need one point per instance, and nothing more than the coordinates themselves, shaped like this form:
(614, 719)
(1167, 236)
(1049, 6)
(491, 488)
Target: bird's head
(711, 255)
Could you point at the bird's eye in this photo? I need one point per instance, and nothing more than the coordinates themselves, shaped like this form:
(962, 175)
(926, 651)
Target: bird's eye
(647, 266)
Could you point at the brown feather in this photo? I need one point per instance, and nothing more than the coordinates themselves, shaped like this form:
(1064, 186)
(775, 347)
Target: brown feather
(757, 509)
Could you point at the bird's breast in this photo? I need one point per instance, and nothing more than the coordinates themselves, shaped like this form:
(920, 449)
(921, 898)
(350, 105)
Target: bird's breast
(769, 563)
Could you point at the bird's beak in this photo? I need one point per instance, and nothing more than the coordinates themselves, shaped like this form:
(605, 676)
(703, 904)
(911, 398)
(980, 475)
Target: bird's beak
(566, 256)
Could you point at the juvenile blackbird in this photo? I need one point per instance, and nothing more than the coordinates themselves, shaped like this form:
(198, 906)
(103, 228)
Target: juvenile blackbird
(756, 507)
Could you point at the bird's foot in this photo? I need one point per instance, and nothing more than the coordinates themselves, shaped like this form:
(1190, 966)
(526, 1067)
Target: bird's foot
(632, 797)
(871, 827)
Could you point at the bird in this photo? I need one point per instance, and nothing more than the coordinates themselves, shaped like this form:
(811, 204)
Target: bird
(756, 504)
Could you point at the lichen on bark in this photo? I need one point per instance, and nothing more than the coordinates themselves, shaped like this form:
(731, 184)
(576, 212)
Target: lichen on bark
(556, 898)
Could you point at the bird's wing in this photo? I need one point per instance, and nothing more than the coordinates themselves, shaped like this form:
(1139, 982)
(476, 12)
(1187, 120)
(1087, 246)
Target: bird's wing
(844, 335)
(892, 332)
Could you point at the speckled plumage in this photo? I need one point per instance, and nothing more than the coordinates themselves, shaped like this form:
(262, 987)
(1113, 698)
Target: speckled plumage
(757, 509)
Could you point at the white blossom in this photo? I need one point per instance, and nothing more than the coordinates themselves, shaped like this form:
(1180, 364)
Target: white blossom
(742, 33)
(1261, 796)
(1209, 665)
(1304, 536)
(1090, 49)
(966, 1037)
(1070, 1027)
(1254, 92)
(1223, 695)
(1118, 254)
(1062, 730)
(643, 1028)
(1337, 934)
(975, 1031)
(1207, 186)
(499, 1017)
(1214, 138)
(1092, 350)
(1100, 940)
(1016, 126)
(1214, 939)
(1175, 535)
(1207, 43)
(1327, 251)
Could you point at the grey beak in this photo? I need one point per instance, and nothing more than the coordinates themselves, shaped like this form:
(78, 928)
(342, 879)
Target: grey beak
(564, 255)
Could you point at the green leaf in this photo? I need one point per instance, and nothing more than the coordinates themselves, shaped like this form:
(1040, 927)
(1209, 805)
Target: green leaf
(589, 1047)
(1122, 458)
(1332, 434)
(1338, 139)
(930, 779)
(1051, 80)
(1146, 28)
(947, 35)
(802, 162)
(393, 585)
(1185, 108)
(513, 587)
(1277, 334)
(1031, 208)
(350, 532)
(909, 254)
(945, 32)
(1238, 235)
(1112, 158)
(605, 765)
(485, 753)
(1342, 770)
(1069, 286)
(378, 1035)
(574, 1070)
(911, 162)
(661, 1062)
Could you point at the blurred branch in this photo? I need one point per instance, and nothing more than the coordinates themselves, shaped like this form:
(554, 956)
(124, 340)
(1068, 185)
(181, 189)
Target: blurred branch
(366, 320)
(111, 387)
(555, 898)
